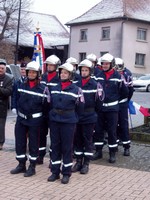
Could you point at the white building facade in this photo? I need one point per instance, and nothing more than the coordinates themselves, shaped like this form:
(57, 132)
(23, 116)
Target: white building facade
(122, 30)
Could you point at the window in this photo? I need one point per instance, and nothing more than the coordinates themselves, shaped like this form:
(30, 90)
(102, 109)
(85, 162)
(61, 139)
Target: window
(139, 59)
(82, 56)
(105, 33)
(103, 52)
(8, 70)
(141, 34)
(83, 35)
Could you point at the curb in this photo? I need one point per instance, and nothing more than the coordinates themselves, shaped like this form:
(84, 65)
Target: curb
(140, 136)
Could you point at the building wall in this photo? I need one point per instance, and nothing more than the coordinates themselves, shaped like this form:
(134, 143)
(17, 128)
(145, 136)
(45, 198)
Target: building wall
(123, 42)
(94, 43)
(131, 46)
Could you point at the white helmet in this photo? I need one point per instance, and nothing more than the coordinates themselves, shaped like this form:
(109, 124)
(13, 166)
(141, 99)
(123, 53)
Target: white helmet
(107, 58)
(119, 64)
(72, 61)
(66, 66)
(118, 61)
(33, 65)
(85, 63)
(92, 57)
(99, 61)
(54, 60)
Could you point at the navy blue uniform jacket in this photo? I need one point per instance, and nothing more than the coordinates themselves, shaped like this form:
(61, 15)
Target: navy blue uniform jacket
(92, 102)
(129, 82)
(65, 104)
(31, 101)
(114, 89)
(53, 82)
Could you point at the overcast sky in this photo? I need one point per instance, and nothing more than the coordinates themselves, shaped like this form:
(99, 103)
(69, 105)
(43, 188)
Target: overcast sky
(64, 10)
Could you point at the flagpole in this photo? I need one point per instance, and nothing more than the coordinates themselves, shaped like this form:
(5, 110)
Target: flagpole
(37, 27)
(131, 121)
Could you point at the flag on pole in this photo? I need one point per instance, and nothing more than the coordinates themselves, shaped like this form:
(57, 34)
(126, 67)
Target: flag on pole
(133, 106)
(39, 53)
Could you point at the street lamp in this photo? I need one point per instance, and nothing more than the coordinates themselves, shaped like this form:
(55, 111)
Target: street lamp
(17, 38)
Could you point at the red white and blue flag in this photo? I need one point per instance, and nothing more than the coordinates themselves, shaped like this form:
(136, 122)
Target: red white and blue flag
(39, 53)
(133, 107)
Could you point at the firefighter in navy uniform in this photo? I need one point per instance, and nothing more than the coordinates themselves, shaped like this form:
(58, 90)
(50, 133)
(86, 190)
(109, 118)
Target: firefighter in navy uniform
(50, 79)
(108, 116)
(87, 120)
(123, 122)
(74, 62)
(93, 58)
(66, 102)
(32, 103)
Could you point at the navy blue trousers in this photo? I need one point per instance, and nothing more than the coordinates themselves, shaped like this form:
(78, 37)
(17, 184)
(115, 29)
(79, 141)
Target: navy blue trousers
(107, 121)
(123, 126)
(84, 140)
(43, 137)
(61, 136)
(24, 133)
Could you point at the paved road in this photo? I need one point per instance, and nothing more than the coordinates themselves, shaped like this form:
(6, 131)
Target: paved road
(142, 98)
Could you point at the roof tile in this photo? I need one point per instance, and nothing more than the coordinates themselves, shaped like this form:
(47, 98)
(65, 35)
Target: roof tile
(108, 9)
(52, 31)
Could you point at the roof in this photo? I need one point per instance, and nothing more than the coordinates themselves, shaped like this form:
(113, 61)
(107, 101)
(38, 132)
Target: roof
(52, 31)
(111, 9)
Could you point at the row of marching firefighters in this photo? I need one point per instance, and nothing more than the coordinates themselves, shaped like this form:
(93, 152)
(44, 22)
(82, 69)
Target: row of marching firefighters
(77, 108)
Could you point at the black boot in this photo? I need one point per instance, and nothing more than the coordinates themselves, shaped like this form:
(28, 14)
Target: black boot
(78, 165)
(30, 171)
(65, 179)
(112, 157)
(21, 168)
(97, 155)
(126, 152)
(85, 167)
(126, 149)
(53, 178)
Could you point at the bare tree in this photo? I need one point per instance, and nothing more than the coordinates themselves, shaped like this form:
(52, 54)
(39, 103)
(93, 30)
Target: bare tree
(7, 51)
(9, 10)
(9, 16)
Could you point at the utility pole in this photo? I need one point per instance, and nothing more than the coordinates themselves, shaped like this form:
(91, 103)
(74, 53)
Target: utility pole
(17, 38)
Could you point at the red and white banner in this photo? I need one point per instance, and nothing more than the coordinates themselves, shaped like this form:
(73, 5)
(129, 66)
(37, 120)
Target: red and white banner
(39, 52)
